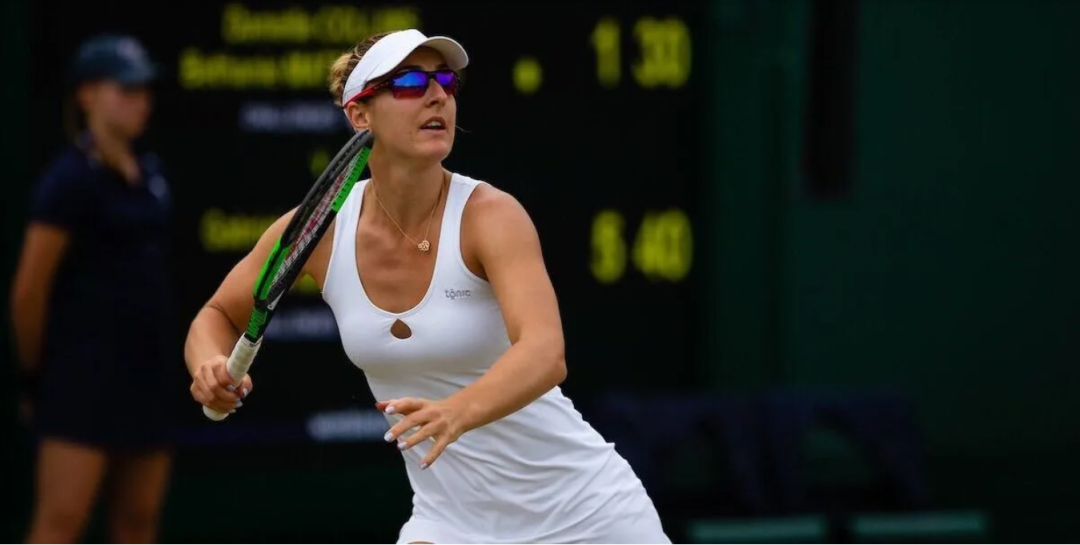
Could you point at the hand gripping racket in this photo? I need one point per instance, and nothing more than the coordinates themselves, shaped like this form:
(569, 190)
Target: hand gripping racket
(292, 250)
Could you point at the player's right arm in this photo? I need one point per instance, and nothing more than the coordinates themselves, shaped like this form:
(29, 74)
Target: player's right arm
(220, 322)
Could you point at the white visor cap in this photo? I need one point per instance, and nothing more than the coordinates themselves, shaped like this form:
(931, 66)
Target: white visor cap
(391, 50)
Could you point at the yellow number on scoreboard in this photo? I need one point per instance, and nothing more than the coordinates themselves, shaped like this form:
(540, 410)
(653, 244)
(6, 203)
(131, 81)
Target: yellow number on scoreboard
(676, 237)
(665, 52)
(608, 247)
(605, 39)
(663, 248)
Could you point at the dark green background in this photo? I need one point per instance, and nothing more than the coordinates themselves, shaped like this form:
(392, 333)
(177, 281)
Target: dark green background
(948, 272)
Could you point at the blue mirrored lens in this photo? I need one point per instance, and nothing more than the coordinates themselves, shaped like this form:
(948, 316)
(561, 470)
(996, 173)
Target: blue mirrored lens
(411, 79)
(445, 77)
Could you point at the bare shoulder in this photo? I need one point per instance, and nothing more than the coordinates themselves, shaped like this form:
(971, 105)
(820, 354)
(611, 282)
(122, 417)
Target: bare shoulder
(491, 206)
(494, 226)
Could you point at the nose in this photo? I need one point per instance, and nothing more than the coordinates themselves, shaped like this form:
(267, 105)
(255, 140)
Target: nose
(435, 92)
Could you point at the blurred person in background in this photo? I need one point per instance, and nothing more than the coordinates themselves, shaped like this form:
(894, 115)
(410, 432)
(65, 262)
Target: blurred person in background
(90, 304)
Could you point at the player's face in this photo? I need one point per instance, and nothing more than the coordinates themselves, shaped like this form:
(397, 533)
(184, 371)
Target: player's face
(415, 127)
(122, 110)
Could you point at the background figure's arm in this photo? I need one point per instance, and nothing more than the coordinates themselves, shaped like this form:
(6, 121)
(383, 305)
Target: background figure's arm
(43, 250)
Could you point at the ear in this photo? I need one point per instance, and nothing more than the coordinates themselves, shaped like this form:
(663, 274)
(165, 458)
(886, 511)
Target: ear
(359, 115)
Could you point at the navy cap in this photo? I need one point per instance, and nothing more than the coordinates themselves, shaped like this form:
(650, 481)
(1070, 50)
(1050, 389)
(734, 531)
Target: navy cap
(112, 57)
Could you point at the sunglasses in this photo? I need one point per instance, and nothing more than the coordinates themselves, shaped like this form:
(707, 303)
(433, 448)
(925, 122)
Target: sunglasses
(414, 84)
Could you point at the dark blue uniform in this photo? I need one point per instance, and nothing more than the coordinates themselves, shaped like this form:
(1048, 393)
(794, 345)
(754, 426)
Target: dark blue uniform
(110, 342)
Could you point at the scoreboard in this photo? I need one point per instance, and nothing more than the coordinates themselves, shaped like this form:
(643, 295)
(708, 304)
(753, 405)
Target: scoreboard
(594, 115)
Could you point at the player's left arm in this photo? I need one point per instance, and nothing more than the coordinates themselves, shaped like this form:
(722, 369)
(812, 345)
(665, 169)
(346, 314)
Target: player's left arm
(506, 243)
(508, 247)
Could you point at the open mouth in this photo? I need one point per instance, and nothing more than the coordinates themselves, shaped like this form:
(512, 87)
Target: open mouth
(434, 124)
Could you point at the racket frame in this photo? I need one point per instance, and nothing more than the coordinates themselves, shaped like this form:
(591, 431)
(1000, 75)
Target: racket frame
(270, 286)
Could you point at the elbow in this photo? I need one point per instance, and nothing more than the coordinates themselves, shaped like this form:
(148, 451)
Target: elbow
(559, 372)
(558, 366)
(546, 357)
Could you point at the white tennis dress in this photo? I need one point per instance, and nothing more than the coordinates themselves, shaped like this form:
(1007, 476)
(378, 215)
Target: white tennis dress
(541, 474)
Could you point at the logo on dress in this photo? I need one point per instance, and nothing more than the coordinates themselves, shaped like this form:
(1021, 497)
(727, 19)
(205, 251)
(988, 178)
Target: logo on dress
(458, 294)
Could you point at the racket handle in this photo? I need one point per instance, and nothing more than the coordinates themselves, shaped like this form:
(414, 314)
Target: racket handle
(239, 363)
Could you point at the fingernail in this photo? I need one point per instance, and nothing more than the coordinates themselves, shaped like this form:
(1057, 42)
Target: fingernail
(401, 445)
(388, 437)
(390, 409)
(239, 404)
(232, 411)
(231, 388)
(246, 391)
(423, 466)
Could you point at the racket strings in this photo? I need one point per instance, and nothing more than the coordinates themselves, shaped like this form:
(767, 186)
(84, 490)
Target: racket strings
(311, 227)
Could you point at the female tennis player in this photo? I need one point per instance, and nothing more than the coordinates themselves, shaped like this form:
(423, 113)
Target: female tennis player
(90, 304)
(441, 296)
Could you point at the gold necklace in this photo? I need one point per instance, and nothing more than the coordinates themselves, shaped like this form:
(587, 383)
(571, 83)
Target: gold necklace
(423, 245)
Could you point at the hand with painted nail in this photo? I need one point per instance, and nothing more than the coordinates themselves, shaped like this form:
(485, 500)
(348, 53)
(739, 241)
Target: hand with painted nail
(213, 387)
(440, 421)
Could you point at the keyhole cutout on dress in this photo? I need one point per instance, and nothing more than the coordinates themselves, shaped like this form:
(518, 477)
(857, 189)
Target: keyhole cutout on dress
(400, 330)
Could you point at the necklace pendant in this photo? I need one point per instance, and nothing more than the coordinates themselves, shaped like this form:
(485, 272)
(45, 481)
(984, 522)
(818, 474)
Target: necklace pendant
(424, 245)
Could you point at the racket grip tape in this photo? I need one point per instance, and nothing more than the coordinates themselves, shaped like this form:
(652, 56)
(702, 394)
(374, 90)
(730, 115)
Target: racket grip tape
(239, 363)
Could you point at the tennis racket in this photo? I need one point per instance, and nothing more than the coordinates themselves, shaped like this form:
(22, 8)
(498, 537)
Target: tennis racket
(295, 245)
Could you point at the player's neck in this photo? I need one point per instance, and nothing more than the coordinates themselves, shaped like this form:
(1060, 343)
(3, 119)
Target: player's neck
(408, 193)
